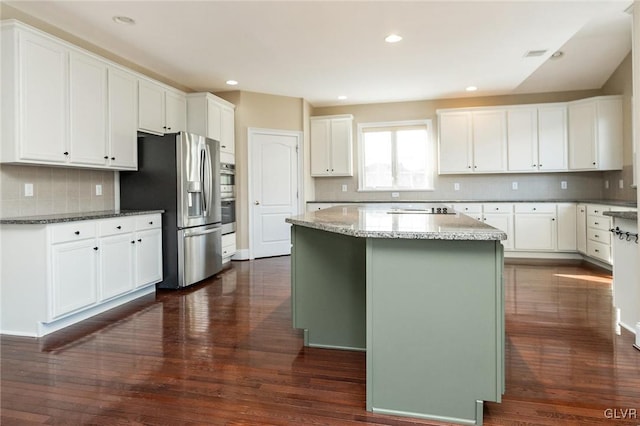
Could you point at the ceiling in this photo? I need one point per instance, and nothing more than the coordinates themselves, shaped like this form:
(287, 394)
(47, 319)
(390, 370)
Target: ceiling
(319, 50)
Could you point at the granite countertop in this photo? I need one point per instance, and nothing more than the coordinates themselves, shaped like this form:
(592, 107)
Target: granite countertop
(622, 215)
(370, 221)
(603, 202)
(73, 217)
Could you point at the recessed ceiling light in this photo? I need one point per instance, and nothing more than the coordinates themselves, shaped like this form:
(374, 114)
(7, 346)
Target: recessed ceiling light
(471, 89)
(232, 82)
(557, 54)
(124, 20)
(342, 97)
(392, 38)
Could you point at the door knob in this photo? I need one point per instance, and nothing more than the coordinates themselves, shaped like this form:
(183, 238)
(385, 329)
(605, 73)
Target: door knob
(257, 203)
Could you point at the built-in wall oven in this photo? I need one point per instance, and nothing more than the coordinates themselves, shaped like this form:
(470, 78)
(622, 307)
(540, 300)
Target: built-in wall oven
(228, 197)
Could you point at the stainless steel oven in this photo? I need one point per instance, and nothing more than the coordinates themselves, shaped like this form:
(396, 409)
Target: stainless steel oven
(228, 197)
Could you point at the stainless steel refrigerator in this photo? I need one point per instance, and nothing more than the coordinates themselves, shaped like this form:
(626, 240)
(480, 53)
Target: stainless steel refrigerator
(179, 173)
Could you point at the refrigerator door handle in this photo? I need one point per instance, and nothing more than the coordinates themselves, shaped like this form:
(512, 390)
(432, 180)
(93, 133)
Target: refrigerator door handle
(203, 158)
(198, 233)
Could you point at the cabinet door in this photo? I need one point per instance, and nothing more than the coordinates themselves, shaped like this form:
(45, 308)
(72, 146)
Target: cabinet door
(567, 228)
(227, 131)
(150, 107)
(214, 119)
(489, 141)
(341, 147)
(522, 136)
(88, 110)
(581, 228)
(610, 134)
(123, 108)
(176, 110)
(454, 153)
(504, 222)
(582, 136)
(43, 108)
(74, 276)
(535, 231)
(116, 265)
(148, 257)
(552, 138)
(320, 140)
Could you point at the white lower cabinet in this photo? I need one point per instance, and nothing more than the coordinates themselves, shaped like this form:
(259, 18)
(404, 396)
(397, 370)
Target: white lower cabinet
(228, 247)
(75, 270)
(74, 276)
(500, 215)
(535, 226)
(581, 228)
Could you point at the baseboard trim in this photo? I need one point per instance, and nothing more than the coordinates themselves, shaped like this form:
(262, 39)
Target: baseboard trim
(241, 254)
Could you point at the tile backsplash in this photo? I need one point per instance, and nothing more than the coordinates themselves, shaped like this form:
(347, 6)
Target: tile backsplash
(55, 190)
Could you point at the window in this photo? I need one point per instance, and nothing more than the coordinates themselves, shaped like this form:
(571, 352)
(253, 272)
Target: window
(396, 156)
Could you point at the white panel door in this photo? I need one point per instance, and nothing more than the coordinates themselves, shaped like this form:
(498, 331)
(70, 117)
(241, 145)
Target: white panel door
(116, 265)
(148, 257)
(582, 136)
(552, 138)
(522, 131)
(151, 107)
(176, 110)
(535, 231)
(88, 110)
(504, 222)
(75, 277)
(43, 98)
(320, 147)
(123, 109)
(490, 141)
(341, 147)
(454, 144)
(274, 191)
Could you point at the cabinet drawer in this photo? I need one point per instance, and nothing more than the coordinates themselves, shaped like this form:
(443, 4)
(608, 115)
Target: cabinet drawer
(596, 209)
(599, 222)
(599, 251)
(468, 208)
(148, 222)
(535, 208)
(498, 208)
(117, 225)
(599, 235)
(228, 245)
(80, 230)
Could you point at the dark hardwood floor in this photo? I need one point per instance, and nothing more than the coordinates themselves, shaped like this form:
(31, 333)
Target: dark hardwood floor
(224, 352)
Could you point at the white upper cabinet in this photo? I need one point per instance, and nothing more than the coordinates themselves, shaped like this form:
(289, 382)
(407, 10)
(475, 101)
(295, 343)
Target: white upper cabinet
(123, 126)
(213, 117)
(88, 110)
(595, 133)
(160, 109)
(34, 98)
(522, 134)
(552, 137)
(472, 141)
(455, 142)
(332, 145)
(537, 138)
(489, 141)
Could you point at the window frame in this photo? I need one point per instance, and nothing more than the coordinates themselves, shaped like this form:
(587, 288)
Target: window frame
(428, 123)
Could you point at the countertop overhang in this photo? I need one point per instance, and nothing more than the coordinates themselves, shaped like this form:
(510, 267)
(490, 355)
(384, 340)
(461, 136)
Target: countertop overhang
(622, 215)
(73, 217)
(370, 221)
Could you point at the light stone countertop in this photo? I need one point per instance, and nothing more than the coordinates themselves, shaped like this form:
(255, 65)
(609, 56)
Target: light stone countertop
(622, 215)
(370, 221)
(73, 217)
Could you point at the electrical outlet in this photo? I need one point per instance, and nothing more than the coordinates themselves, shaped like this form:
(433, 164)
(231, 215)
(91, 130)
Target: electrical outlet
(514, 185)
(28, 190)
(395, 194)
(621, 184)
(456, 186)
(98, 189)
(606, 184)
(563, 184)
(344, 188)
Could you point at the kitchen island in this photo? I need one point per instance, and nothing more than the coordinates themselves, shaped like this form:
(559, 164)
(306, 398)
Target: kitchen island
(420, 290)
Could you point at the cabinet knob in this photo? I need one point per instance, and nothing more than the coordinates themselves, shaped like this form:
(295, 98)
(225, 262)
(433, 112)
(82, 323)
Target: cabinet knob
(596, 235)
(77, 232)
(331, 169)
(95, 248)
(257, 203)
(66, 153)
(168, 128)
(224, 146)
(594, 163)
(106, 157)
(553, 219)
(597, 251)
(151, 223)
(497, 208)
(534, 209)
(113, 158)
(533, 166)
(139, 240)
(164, 127)
(133, 242)
(327, 169)
(118, 227)
(539, 165)
(475, 167)
(596, 223)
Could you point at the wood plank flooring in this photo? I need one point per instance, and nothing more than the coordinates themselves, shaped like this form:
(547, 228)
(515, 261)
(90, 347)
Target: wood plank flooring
(224, 353)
